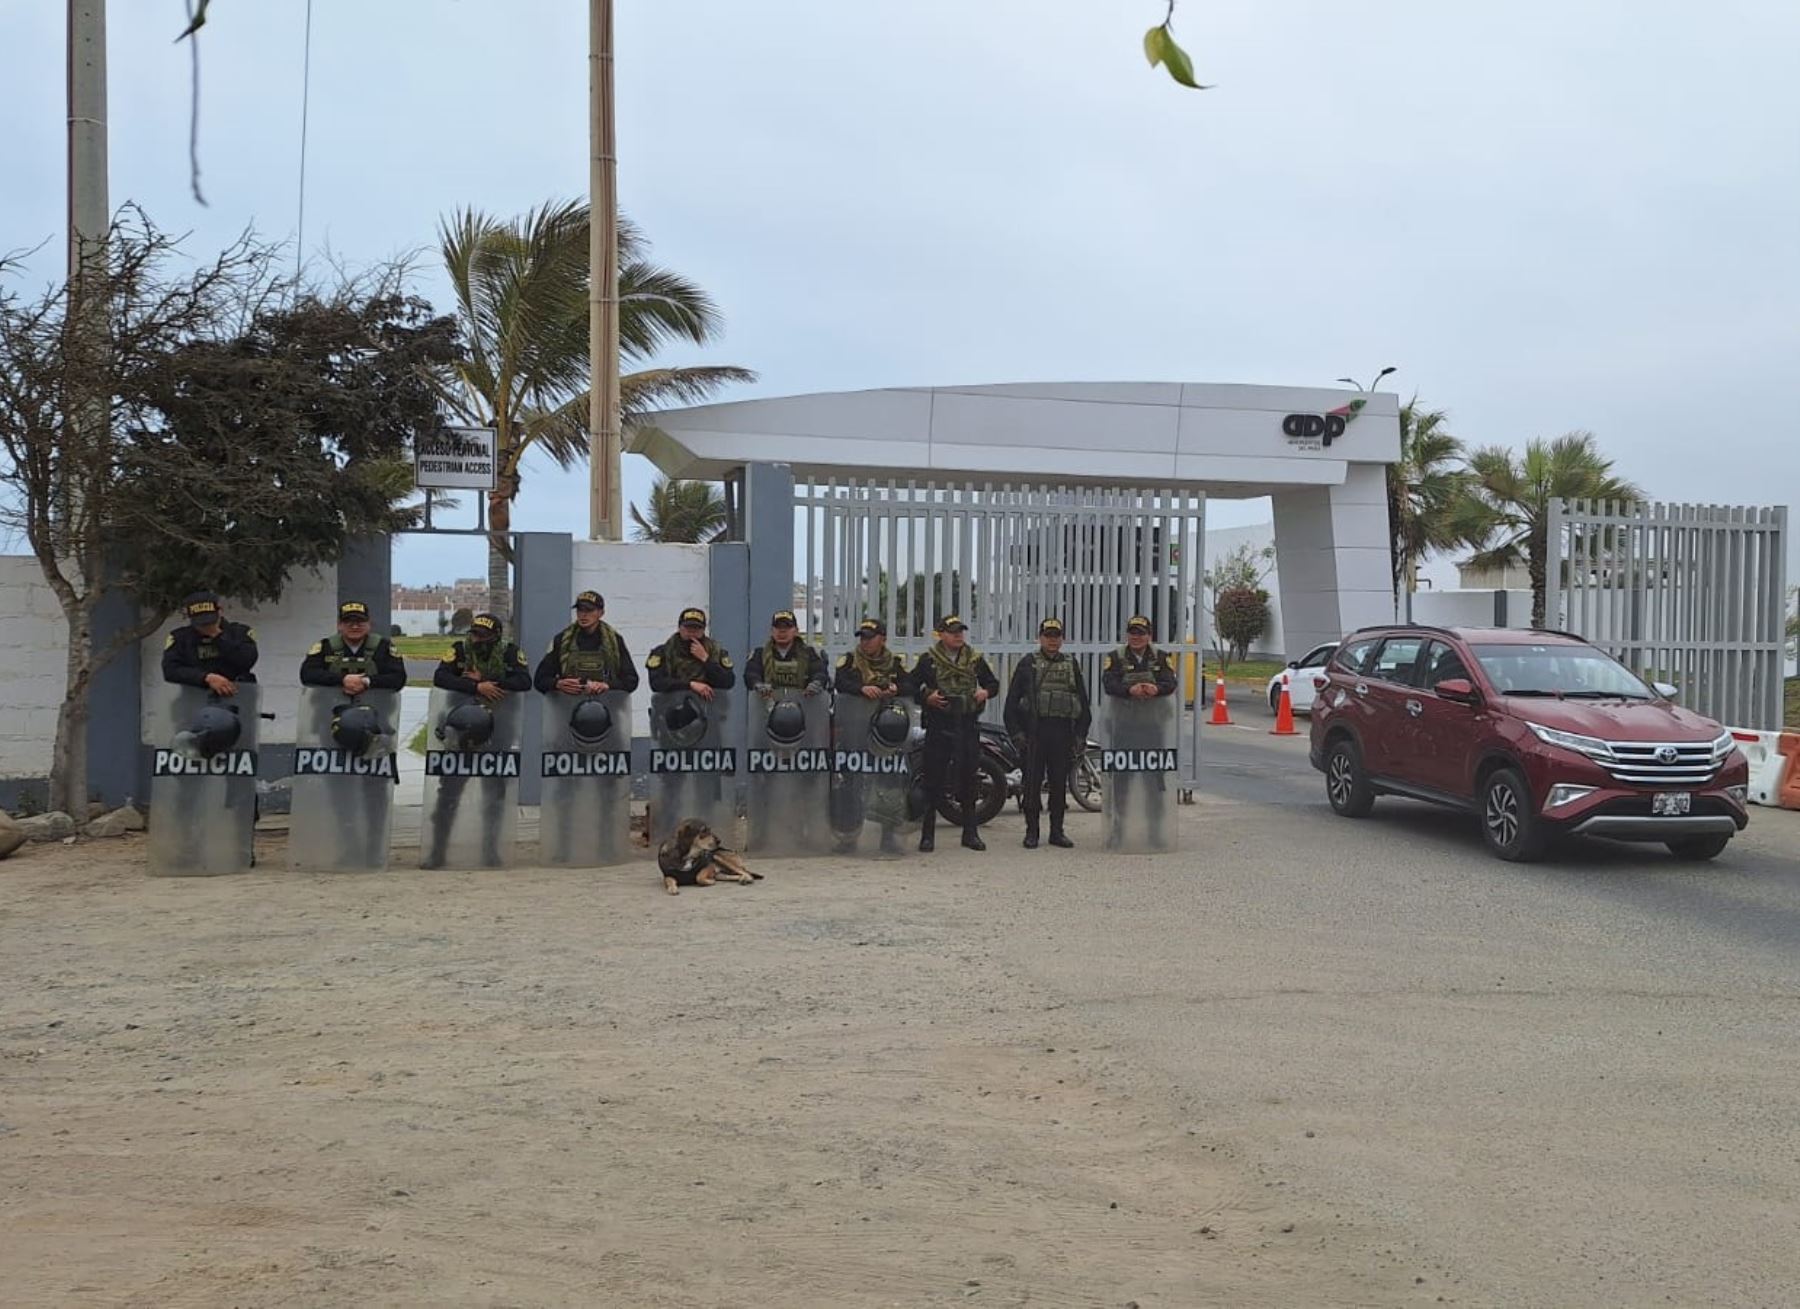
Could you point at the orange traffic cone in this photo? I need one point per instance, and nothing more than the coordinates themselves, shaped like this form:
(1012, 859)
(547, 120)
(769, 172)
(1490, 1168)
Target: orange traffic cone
(1284, 715)
(1221, 717)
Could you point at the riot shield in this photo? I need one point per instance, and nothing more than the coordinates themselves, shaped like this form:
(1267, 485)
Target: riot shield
(693, 770)
(471, 785)
(203, 781)
(584, 815)
(1138, 761)
(871, 778)
(789, 762)
(343, 809)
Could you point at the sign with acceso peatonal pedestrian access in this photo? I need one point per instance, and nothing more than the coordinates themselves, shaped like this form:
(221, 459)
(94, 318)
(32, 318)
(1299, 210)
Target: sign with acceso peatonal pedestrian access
(457, 459)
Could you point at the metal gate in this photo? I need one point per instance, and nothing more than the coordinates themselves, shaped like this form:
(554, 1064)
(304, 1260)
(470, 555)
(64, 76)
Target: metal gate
(1689, 594)
(1003, 558)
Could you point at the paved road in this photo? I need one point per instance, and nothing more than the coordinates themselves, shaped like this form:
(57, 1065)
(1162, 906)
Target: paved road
(1575, 1083)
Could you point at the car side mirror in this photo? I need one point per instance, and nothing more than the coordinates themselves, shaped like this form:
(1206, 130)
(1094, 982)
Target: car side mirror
(1457, 689)
(1293, 663)
(1667, 690)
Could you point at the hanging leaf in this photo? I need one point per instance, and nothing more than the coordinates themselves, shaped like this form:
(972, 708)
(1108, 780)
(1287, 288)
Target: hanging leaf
(1155, 41)
(196, 20)
(1176, 60)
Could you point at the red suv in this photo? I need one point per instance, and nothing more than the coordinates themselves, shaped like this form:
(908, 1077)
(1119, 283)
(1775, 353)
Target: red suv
(1538, 734)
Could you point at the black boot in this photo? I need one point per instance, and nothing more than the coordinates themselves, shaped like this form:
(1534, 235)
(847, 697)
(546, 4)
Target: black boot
(972, 838)
(927, 841)
(1057, 838)
(1031, 834)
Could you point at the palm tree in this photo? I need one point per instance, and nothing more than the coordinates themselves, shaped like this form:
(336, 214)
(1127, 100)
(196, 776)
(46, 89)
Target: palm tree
(1508, 509)
(693, 512)
(522, 293)
(1424, 486)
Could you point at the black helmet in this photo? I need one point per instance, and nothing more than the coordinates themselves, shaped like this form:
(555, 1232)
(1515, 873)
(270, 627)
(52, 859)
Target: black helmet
(890, 727)
(358, 729)
(787, 723)
(214, 730)
(684, 721)
(467, 727)
(590, 721)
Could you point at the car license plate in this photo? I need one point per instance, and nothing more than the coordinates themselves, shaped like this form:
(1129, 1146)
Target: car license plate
(1671, 802)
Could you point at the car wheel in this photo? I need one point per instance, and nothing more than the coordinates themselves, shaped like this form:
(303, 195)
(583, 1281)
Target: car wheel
(1509, 820)
(1346, 784)
(1698, 849)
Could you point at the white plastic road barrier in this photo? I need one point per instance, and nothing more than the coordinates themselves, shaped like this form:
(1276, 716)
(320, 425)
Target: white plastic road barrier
(1768, 766)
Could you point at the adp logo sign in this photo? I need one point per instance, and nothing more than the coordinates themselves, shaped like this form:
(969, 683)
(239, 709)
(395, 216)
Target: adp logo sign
(1318, 431)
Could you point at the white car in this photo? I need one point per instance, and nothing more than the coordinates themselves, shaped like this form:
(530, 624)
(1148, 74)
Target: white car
(1300, 675)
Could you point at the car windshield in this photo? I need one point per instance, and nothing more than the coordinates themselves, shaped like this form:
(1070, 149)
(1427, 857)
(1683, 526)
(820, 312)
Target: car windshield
(1567, 670)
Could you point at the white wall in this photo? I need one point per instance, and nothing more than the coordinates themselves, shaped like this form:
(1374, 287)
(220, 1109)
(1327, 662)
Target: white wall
(1469, 608)
(419, 622)
(646, 587)
(307, 612)
(33, 645)
(1221, 541)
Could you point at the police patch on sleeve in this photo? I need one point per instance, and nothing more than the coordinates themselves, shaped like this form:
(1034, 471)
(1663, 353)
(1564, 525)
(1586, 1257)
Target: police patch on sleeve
(654, 661)
(519, 657)
(450, 655)
(844, 662)
(724, 661)
(318, 647)
(249, 633)
(169, 641)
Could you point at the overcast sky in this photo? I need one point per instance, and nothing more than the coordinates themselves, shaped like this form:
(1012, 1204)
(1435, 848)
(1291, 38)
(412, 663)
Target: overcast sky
(1550, 215)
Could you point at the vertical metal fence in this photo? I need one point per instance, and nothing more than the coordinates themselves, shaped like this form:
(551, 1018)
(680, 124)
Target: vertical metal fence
(1695, 595)
(1003, 558)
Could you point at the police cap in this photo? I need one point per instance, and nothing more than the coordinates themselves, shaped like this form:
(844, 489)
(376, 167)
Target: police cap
(951, 623)
(1050, 627)
(202, 607)
(696, 616)
(353, 611)
(486, 627)
(871, 627)
(1138, 623)
(783, 618)
(589, 600)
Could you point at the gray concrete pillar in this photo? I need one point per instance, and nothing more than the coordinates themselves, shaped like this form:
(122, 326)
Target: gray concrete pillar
(118, 763)
(366, 573)
(768, 522)
(543, 586)
(1331, 548)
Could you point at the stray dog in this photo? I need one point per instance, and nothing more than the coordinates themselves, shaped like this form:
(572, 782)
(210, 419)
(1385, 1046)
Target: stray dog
(694, 857)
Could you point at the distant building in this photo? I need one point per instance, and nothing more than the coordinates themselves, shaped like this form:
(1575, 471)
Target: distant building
(1514, 577)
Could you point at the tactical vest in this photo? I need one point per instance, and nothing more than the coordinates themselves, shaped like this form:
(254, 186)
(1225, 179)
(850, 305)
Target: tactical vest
(784, 674)
(683, 665)
(341, 662)
(1133, 672)
(488, 661)
(956, 677)
(1054, 692)
(883, 671)
(599, 665)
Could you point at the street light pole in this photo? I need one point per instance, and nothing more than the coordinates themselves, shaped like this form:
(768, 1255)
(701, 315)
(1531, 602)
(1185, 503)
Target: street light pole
(603, 289)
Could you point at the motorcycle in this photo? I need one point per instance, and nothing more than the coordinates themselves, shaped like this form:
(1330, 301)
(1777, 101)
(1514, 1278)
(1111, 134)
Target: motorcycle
(1000, 776)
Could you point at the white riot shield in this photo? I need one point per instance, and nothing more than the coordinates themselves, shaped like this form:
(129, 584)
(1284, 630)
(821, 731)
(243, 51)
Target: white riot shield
(584, 815)
(202, 798)
(343, 809)
(693, 771)
(871, 780)
(471, 794)
(1138, 762)
(790, 779)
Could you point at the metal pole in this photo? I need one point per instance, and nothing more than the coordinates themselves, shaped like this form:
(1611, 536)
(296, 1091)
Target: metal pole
(88, 211)
(603, 292)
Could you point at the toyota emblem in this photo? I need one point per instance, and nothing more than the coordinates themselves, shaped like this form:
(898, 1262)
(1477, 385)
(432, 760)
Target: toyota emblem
(1667, 754)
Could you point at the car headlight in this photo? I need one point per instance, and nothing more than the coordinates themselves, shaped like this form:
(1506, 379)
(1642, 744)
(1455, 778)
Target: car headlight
(1591, 746)
(1723, 746)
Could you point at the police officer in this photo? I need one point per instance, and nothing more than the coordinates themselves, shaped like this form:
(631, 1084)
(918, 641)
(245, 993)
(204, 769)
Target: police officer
(1047, 715)
(876, 673)
(785, 661)
(209, 651)
(351, 659)
(1137, 668)
(690, 660)
(952, 681)
(480, 665)
(587, 657)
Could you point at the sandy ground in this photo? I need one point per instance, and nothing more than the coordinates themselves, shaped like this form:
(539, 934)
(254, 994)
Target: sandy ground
(539, 1088)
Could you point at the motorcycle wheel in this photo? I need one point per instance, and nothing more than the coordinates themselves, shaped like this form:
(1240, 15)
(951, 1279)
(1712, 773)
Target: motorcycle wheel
(990, 794)
(1084, 782)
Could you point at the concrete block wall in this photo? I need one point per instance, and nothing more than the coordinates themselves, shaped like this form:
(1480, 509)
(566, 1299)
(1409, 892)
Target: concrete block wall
(285, 631)
(419, 622)
(33, 646)
(646, 587)
(1470, 608)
